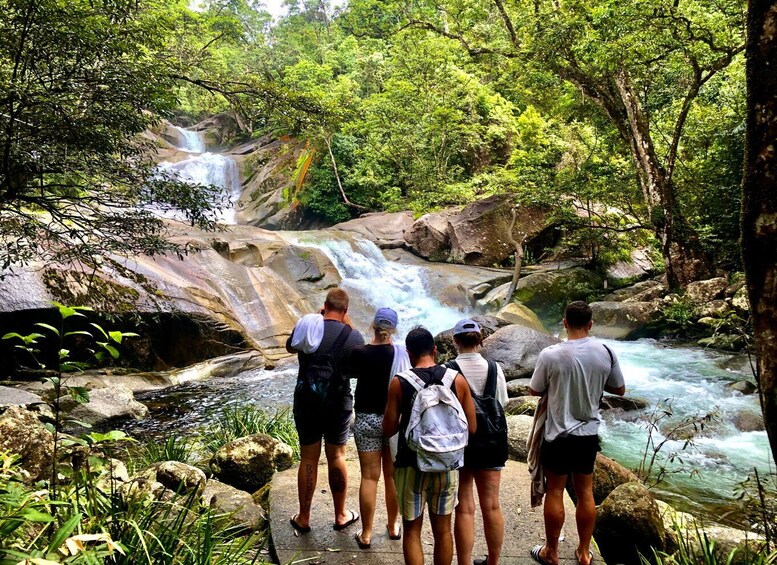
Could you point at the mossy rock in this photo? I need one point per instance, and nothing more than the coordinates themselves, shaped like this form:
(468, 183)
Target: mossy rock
(547, 293)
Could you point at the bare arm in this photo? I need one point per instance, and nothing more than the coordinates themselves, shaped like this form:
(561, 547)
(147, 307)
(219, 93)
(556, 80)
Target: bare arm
(391, 415)
(535, 393)
(465, 398)
(619, 390)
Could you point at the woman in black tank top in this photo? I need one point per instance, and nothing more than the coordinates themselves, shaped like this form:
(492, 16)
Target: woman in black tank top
(372, 365)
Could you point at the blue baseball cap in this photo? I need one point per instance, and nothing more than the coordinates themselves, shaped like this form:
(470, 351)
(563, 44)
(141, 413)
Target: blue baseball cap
(386, 318)
(466, 326)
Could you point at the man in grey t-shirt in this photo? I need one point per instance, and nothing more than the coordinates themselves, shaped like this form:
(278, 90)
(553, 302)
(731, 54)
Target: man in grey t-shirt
(574, 375)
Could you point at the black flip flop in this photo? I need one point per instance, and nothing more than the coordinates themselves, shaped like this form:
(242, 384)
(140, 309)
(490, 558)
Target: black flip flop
(537, 556)
(297, 527)
(590, 557)
(396, 537)
(354, 517)
(359, 541)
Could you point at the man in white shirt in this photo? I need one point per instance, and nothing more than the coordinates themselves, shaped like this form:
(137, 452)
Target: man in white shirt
(574, 374)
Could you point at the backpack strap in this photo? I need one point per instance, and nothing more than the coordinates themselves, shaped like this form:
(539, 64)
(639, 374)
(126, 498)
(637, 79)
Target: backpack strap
(416, 381)
(339, 343)
(490, 389)
(452, 364)
(450, 376)
(612, 359)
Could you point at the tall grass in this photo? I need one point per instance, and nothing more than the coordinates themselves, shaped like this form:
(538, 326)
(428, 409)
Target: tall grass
(241, 421)
(170, 448)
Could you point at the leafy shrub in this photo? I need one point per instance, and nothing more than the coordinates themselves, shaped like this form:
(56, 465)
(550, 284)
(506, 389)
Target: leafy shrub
(171, 448)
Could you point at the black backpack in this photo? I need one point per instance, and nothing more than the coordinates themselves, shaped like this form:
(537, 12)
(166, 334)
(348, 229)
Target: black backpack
(487, 447)
(320, 384)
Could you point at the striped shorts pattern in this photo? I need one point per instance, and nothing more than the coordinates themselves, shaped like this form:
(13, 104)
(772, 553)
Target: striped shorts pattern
(416, 488)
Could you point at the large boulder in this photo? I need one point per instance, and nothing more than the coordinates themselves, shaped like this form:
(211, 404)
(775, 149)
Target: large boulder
(548, 292)
(705, 291)
(747, 421)
(385, 229)
(107, 404)
(516, 348)
(740, 302)
(743, 386)
(249, 463)
(521, 405)
(478, 234)
(23, 434)
(644, 291)
(518, 388)
(628, 523)
(638, 267)
(237, 504)
(517, 313)
(175, 476)
(10, 396)
(624, 403)
(625, 320)
(518, 430)
(428, 236)
(609, 475)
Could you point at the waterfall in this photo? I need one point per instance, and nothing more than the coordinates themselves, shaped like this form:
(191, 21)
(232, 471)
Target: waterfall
(205, 168)
(192, 141)
(374, 282)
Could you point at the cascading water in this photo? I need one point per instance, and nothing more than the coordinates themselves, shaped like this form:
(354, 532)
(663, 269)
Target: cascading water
(375, 282)
(205, 168)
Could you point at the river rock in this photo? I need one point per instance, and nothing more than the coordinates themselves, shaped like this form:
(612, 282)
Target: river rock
(724, 342)
(639, 266)
(608, 475)
(746, 421)
(743, 387)
(644, 291)
(518, 388)
(249, 463)
(385, 229)
(521, 405)
(517, 313)
(625, 403)
(242, 252)
(176, 476)
(304, 265)
(518, 430)
(106, 405)
(478, 234)
(428, 236)
(516, 348)
(23, 434)
(548, 292)
(239, 505)
(740, 302)
(628, 523)
(705, 291)
(10, 396)
(715, 309)
(625, 320)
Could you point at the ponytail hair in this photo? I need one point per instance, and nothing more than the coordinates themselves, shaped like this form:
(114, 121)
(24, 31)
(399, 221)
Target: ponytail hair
(382, 334)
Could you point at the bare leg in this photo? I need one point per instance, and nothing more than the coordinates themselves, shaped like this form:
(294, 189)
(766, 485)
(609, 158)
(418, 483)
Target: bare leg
(443, 540)
(464, 526)
(585, 515)
(554, 515)
(411, 542)
(369, 462)
(307, 475)
(392, 507)
(338, 480)
(487, 482)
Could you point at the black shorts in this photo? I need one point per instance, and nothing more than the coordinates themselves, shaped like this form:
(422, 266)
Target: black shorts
(332, 426)
(570, 454)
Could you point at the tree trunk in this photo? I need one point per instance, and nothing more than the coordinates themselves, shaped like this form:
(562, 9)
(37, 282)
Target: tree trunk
(518, 244)
(759, 200)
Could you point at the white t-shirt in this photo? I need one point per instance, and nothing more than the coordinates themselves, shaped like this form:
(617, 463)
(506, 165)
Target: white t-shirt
(574, 374)
(474, 367)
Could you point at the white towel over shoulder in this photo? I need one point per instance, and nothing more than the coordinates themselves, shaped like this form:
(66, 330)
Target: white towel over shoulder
(308, 333)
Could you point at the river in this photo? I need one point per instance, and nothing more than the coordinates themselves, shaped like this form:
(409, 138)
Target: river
(691, 380)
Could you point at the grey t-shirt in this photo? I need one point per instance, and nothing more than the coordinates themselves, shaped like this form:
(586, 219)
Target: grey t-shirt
(574, 374)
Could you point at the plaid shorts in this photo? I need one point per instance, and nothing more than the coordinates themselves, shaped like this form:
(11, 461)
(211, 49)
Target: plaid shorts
(416, 488)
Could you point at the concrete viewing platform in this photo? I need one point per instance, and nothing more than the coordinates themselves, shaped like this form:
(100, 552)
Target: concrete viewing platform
(322, 545)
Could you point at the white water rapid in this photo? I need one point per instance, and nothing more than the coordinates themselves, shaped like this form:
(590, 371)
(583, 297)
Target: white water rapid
(374, 282)
(205, 168)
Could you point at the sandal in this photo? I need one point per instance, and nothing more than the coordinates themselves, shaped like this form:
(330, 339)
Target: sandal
(296, 526)
(354, 517)
(537, 555)
(396, 537)
(359, 542)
